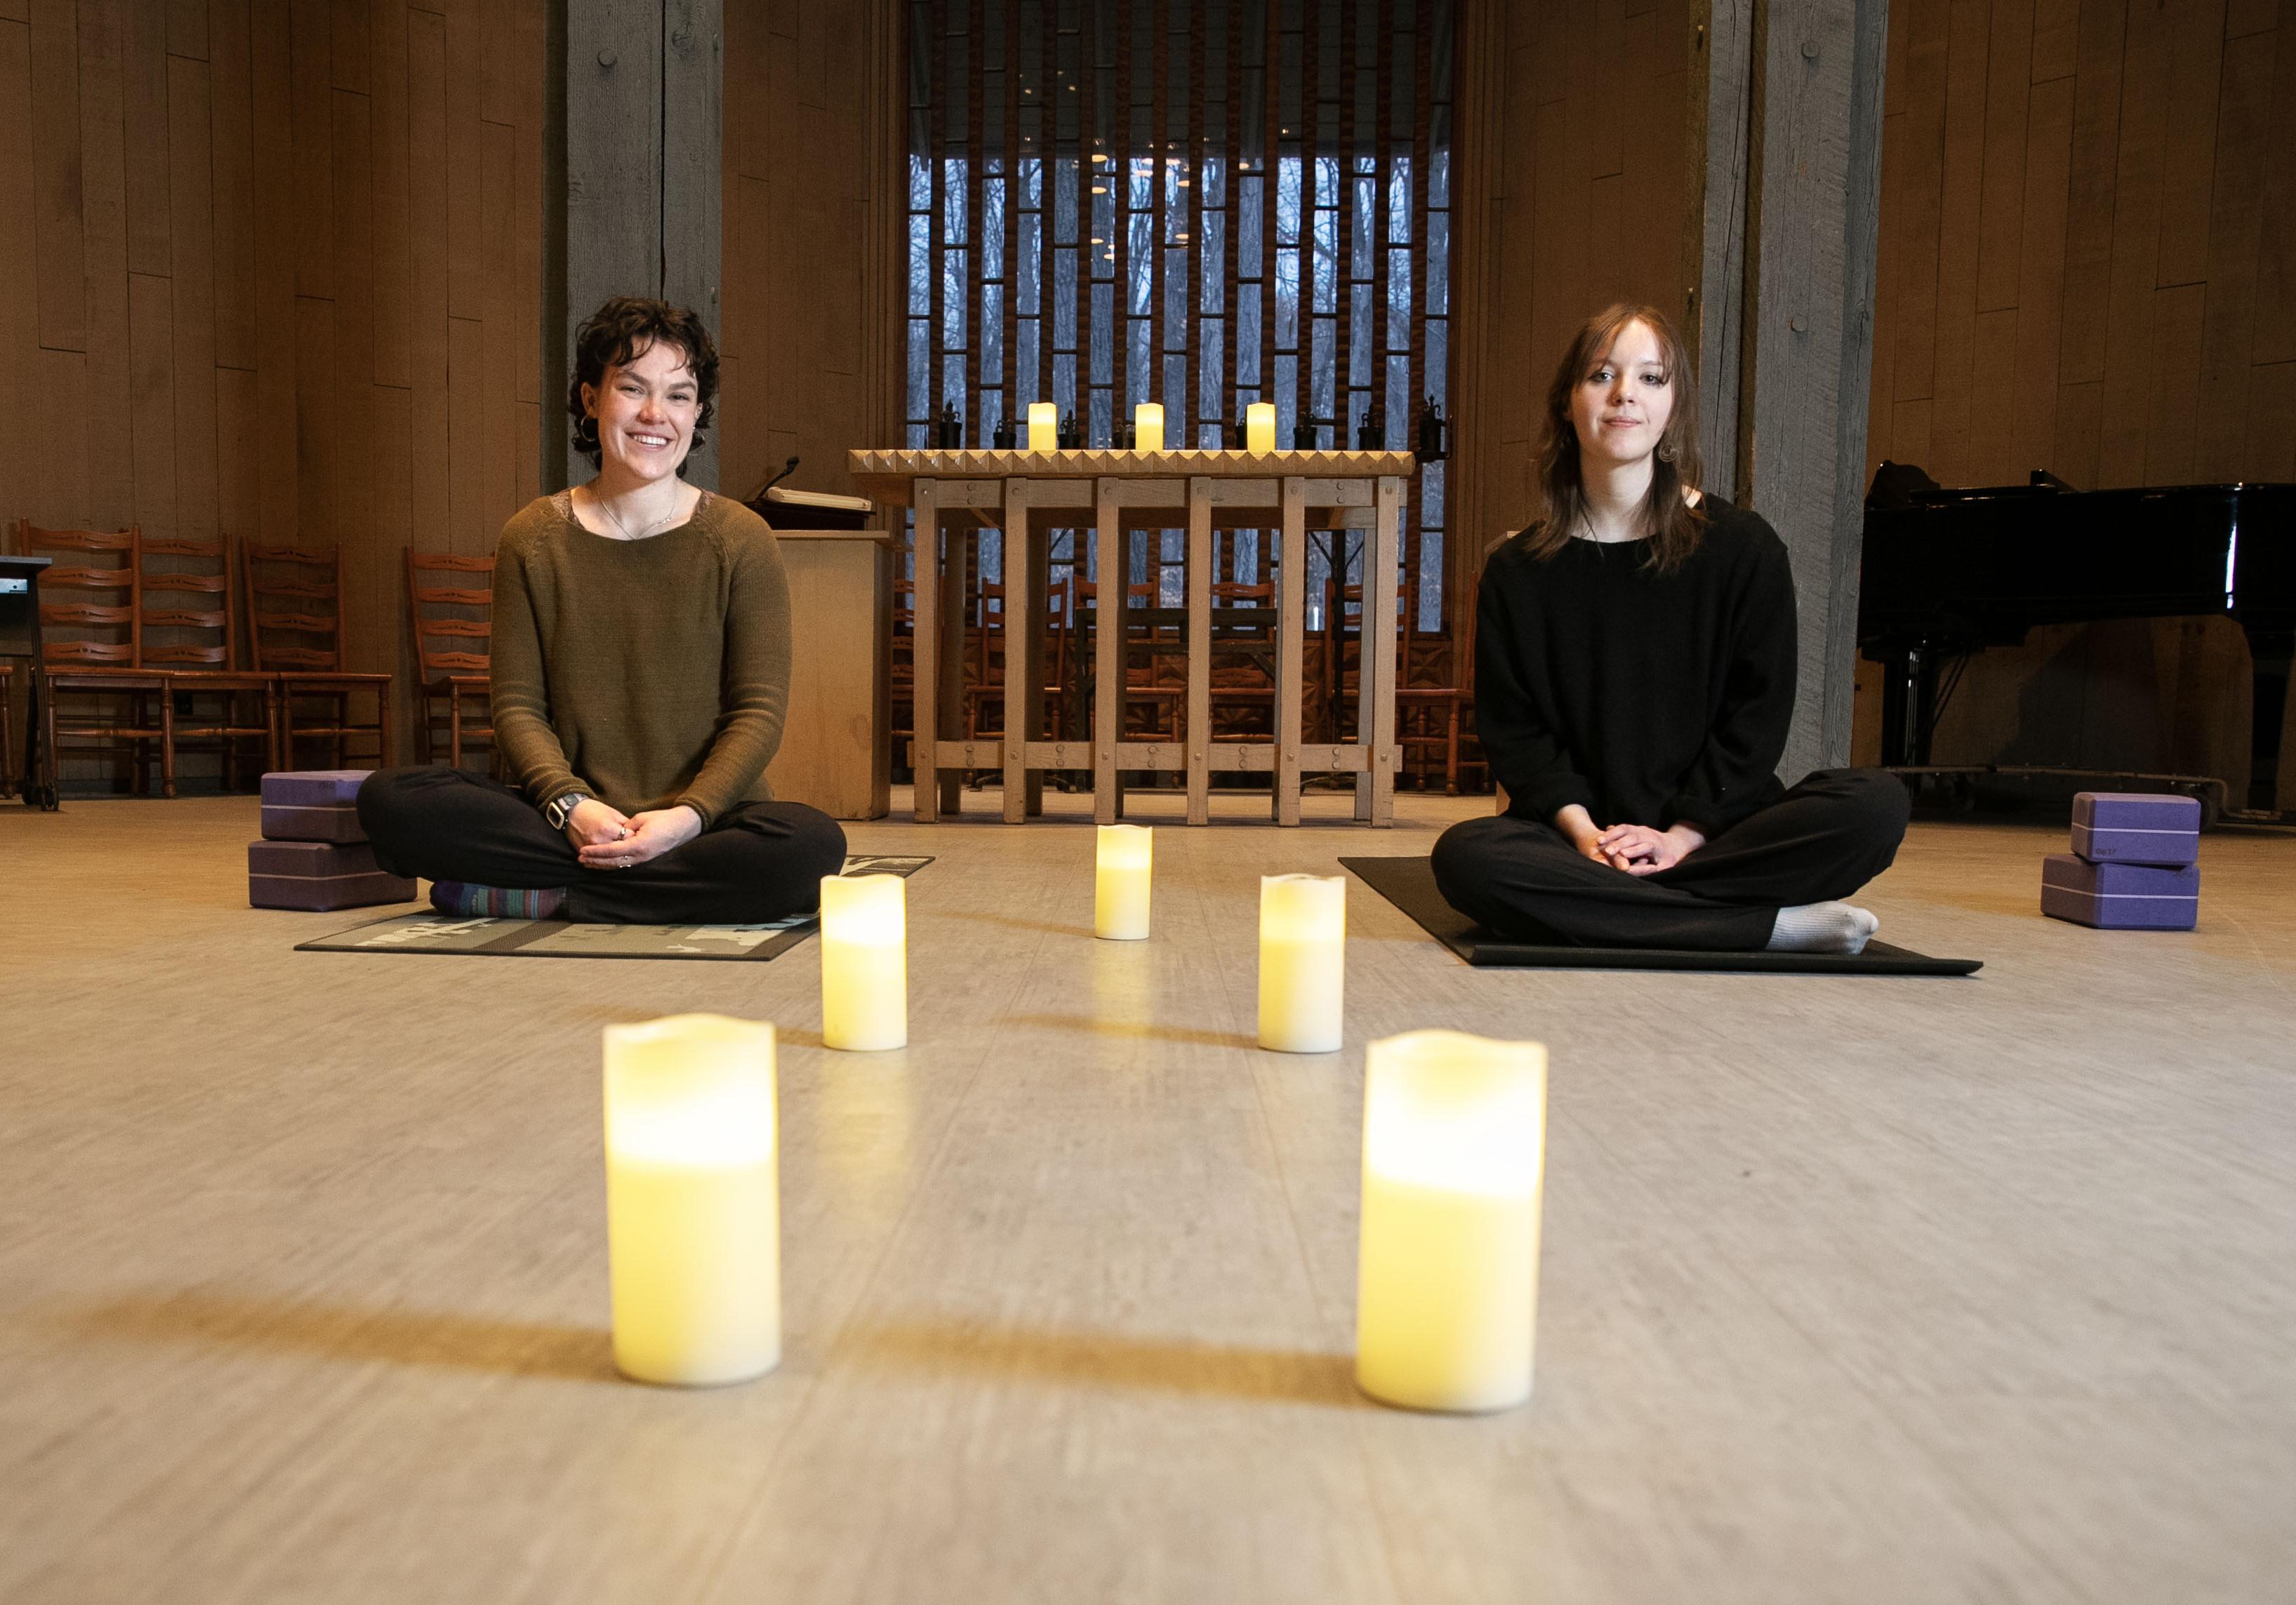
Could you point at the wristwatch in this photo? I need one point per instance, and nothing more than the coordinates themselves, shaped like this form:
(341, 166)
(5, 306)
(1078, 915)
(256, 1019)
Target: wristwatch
(558, 810)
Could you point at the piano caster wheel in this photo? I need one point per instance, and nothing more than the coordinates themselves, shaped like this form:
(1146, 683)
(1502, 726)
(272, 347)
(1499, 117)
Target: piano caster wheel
(1961, 795)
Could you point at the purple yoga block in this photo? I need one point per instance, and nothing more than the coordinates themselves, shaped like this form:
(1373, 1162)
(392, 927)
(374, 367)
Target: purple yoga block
(312, 788)
(2136, 827)
(339, 822)
(319, 876)
(2119, 896)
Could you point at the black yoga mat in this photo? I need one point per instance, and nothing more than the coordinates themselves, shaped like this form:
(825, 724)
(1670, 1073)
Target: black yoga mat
(431, 932)
(1409, 883)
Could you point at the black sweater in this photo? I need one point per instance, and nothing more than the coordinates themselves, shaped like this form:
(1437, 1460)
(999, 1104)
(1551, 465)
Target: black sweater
(1646, 699)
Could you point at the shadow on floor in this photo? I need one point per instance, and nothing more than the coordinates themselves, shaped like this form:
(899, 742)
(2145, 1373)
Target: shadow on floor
(420, 1337)
(1101, 1026)
(1102, 1359)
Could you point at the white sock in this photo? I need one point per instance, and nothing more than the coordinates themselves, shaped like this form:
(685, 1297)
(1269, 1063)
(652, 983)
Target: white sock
(1822, 928)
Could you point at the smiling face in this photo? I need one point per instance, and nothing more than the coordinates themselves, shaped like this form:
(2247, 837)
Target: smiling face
(645, 409)
(1620, 407)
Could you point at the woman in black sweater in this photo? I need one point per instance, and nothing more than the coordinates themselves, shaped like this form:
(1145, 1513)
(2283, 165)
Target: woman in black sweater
(1634, 665)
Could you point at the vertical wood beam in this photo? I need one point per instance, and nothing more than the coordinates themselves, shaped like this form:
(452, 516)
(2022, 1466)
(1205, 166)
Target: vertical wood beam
(692, 183)
(1787, 390)
(640, 130)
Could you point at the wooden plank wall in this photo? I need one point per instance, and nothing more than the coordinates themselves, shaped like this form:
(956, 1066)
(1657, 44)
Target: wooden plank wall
(273, 270)
(812, 120)
(2088, 264)
(1574, 200)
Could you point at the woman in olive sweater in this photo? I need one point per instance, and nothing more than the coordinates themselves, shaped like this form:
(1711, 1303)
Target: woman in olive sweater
(641, 670)
(1634, 665)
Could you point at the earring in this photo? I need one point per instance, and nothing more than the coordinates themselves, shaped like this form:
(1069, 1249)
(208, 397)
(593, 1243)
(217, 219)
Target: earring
(1667, 454)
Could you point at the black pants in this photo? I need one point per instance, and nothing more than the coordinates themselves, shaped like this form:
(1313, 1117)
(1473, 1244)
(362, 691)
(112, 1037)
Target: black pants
(757, 862)
(1822, 840)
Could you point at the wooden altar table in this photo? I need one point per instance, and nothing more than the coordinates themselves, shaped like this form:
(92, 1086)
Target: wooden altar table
(1027, 494)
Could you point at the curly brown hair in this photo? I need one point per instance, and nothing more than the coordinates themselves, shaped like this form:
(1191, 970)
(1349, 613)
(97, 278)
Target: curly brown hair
(623, 330)
(1674, 525)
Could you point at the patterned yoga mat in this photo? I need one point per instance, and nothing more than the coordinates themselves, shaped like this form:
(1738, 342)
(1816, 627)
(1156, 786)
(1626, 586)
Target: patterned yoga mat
(431, 932)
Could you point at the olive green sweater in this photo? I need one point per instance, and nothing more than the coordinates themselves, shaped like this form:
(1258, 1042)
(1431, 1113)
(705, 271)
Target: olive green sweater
(645, 673)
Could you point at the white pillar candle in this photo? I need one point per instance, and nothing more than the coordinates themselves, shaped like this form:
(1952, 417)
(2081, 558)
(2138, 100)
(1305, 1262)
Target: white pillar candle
(1120, 883)
(1259, 428)
(1447, 1297)
(864, 976)
(1043, 427)
(1303, 962)
(1148, 426)
(692, 1200)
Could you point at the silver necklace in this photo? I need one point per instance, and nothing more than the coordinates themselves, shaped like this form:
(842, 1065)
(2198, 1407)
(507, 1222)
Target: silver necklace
(599, 502)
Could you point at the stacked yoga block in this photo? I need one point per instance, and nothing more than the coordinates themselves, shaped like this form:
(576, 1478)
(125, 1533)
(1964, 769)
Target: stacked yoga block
(2135, 864)
(313, 855)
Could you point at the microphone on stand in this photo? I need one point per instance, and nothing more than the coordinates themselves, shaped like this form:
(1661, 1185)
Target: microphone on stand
(788, 469)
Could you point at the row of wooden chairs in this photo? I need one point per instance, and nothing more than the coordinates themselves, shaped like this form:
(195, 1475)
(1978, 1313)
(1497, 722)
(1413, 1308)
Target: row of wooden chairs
(140, 646)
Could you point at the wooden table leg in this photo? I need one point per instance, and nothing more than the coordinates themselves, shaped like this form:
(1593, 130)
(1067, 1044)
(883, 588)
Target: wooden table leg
(924, 662)
(1107, 653)
(1019, 623)
(1038, 579)
(1199, 651)
(1292, 650)
(1375, 660)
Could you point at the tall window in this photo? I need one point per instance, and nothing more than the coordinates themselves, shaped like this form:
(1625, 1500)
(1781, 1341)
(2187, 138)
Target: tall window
(1203, 203)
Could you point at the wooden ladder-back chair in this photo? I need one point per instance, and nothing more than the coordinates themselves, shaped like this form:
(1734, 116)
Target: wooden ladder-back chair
(93, 650)
(295, 625)
(195, 644)
(1137, 651)
(450, 610)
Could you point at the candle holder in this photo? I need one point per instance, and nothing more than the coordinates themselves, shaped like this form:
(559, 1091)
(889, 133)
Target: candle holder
(1121, 881)
(1447, 1300)
(1431, 432)
(1148, 427)
(692, 1200)
(1043, 427)
(1303, 962)
(865, 981)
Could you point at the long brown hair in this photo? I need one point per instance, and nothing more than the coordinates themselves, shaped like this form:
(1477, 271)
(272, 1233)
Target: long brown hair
(1674, 525)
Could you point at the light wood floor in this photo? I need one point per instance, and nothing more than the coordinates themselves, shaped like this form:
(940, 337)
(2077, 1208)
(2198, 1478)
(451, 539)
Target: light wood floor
(1855, 1289)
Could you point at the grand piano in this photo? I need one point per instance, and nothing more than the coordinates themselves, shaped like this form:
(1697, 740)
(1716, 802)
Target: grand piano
(1950, 572)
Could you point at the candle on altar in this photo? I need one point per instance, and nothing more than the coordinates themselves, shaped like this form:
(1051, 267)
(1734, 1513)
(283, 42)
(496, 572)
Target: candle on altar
(1148, 427)
(692, 1200)
(865, 981)
(1447, 1297)
(1043, 427)
(1303, 962)
(1120, 883)
(1259, 428)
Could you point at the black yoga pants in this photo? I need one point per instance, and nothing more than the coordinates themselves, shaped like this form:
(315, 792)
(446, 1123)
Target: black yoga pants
(757, 861)
(1822, 840)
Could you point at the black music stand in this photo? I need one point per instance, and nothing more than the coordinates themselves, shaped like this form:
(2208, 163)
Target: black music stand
(20, 638)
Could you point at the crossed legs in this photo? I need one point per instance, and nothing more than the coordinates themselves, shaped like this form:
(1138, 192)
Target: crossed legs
(757, 861)
(1822, 840)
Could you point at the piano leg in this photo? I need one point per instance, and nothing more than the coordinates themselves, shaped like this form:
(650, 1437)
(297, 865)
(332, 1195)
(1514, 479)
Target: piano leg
(1908, 693)
(2270, 648)
(1898, 717)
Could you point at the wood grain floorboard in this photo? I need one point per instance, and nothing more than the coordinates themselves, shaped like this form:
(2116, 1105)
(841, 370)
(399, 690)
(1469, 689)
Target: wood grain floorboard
(1884, 1289)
